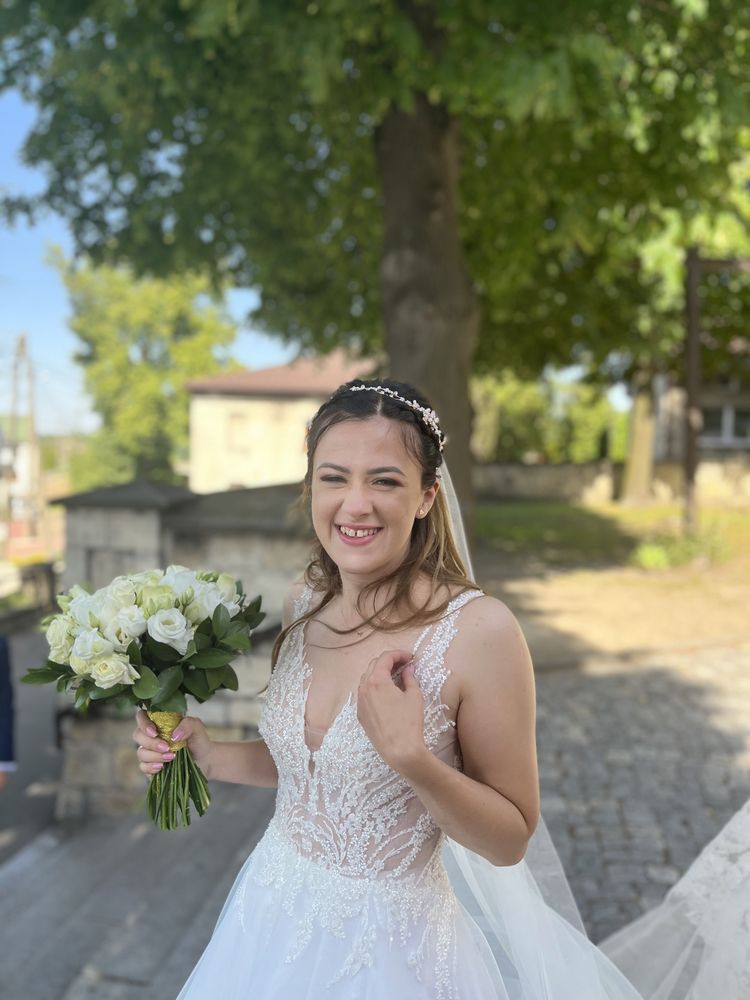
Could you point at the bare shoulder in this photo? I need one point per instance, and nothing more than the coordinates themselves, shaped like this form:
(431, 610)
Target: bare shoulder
(292, 595)
(489, 645)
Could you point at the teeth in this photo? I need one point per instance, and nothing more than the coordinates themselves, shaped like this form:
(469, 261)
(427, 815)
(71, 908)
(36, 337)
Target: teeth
(360, 533)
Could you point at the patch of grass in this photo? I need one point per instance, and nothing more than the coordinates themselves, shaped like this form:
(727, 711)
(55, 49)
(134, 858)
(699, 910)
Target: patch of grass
(649, 536)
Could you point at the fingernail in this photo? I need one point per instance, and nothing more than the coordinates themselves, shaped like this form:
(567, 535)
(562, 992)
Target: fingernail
(177, 734)
(151, 730)
(163, 745)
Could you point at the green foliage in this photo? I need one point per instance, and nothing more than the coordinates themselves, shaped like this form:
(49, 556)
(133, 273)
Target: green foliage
(666, 552)
(239, 138)
(141, 340)
(544, 419)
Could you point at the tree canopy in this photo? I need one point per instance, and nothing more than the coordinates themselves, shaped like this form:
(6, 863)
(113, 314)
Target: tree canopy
(141, 340)
(308, 149)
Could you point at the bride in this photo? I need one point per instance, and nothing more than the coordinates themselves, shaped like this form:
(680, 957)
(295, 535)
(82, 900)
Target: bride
(406, 857)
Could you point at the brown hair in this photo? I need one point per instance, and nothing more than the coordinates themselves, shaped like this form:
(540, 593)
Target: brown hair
(432, 548)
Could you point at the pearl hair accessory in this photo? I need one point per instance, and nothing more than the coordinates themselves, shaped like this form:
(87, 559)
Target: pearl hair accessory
(429, 417)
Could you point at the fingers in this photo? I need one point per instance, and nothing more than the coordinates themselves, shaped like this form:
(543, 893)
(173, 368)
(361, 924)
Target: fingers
(153, 751)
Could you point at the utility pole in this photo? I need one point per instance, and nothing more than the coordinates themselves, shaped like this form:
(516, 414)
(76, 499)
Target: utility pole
(693, 412)
(22, 388)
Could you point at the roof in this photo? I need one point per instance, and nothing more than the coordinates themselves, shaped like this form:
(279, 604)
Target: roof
(140, 494)
(267, 509)
(316, 376)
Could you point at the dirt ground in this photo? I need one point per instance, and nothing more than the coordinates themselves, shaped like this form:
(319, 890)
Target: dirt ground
(569, 615)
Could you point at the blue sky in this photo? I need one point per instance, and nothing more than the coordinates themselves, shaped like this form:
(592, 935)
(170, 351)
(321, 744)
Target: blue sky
(34, 300)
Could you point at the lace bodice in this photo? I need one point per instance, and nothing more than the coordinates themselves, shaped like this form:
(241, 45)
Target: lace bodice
(342, 804)
(349, 832)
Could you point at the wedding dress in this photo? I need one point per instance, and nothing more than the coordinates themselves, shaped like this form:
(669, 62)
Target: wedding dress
(346, 896)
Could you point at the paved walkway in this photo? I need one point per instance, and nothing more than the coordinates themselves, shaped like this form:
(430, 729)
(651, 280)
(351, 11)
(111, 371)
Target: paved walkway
(642, 761)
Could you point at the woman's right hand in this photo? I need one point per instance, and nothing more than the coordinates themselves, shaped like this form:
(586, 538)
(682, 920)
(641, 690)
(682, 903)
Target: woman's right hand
(153, 751)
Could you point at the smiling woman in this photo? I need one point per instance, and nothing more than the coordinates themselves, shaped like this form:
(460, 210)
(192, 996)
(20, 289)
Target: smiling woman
(399, 716)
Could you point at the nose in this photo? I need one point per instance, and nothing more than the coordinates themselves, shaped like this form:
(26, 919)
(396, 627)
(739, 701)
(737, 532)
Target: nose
(356, 504)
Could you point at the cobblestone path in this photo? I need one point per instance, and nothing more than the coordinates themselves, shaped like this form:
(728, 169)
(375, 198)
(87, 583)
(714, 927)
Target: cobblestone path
(642, 761)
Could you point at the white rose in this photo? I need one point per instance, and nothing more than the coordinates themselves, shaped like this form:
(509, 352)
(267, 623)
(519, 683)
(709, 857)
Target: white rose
(128, 624)
(103, 608)
(60, 637)
(115, 668)
(146, 578)
(122, 591)
(229, 596)
(81, 607)
(179, 578)
(155, 598)
(205, 598)
(171, 627)
(90, 644)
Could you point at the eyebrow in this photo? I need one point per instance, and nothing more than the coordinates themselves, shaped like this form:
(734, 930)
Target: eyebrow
(370, 472)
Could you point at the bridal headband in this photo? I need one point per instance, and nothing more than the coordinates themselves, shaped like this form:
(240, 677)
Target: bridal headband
(429, 417)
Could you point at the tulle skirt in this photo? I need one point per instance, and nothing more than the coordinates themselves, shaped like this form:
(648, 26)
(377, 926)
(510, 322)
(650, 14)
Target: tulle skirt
(255, 952)
(291, 927)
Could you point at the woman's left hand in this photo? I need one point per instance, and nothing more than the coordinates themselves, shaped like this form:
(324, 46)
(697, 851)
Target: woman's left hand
(392, 718)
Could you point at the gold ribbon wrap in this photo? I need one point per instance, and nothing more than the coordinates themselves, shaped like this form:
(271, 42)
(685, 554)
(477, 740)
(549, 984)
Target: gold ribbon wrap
(166, 723)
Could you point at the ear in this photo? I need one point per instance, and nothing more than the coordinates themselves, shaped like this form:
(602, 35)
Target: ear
(428, 497)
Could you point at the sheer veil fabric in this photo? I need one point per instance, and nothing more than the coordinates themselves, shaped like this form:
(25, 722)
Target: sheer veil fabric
(695, 945)
(527, 911)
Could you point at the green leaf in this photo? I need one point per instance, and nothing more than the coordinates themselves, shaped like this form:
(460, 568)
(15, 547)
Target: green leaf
(220, 620)
(205, 627)
(98, 693)
(210, 658)
(202, 640)
(254, 620)
(160, 651)
(169, 681)
(229, 678)
(147, 684)
(254, 606)
(60, 668)
(175, 703)
(134, 653)
(62, 684)
(213, 679)
(196, 683)
(40, 675)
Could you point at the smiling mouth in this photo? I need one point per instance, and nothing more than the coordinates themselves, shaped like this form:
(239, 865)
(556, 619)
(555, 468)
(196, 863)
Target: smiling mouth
(348, 532)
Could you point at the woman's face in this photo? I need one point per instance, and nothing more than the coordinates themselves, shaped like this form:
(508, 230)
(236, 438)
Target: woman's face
(364, 480)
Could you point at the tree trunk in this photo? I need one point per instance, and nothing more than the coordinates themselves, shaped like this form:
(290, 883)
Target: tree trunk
(430, 308)
(639, 463)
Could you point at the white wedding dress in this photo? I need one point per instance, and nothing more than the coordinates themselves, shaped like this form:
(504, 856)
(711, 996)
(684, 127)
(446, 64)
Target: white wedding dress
(346, 896)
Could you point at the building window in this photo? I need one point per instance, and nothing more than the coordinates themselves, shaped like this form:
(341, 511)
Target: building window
(726, 426)
(742, 424)
(712, 421)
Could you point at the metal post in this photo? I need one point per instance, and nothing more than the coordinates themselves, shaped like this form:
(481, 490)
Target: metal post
(693, 412)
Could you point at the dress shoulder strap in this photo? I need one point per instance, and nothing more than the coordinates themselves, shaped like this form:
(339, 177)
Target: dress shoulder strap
(432, 645)
(302, 602)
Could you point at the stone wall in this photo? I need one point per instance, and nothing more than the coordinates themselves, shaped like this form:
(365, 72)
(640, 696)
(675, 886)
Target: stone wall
(719, 479)
(103, 542)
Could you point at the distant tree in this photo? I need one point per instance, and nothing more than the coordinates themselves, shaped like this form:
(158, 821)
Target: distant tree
(141, 340)
(544, 419)
(471, 182)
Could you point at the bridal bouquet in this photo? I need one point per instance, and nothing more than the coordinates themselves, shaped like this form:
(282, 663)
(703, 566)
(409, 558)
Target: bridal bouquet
(148, 639)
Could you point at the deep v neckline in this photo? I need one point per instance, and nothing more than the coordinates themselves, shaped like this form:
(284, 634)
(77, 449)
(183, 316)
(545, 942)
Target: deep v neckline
(306, 675)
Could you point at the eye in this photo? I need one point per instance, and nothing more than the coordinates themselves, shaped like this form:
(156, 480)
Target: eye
(332, 479)
(389, 482)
